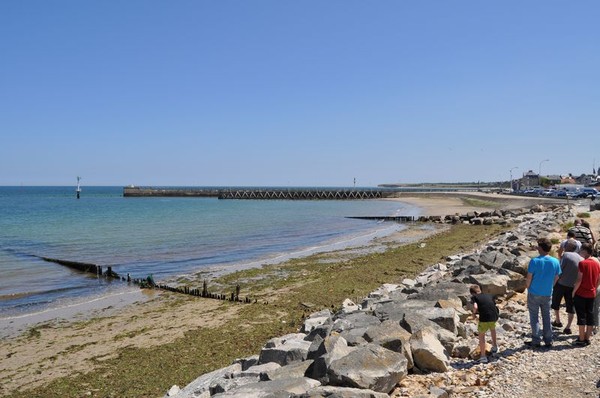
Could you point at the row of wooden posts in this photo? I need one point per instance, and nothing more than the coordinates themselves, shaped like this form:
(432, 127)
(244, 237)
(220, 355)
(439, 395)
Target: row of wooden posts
(234, 296)
(148, 282)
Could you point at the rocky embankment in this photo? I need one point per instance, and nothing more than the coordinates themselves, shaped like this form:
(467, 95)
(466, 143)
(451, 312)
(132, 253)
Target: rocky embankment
(418, 339)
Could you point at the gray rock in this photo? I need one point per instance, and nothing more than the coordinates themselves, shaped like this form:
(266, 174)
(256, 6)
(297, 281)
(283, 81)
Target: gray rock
(447, 318)
(517, 285)
(518, 265)
(462, 349)
(173, 391)
(313, 321)
(463, 314)
(493, 284)
(371, 367)
(354, 337)
(257, 370)
(437, 392)
(492, 259)
(292, 371)
(202, 384)
(396, 310)
(271, 389)
(354, 321)
(247, 362)
(414, 322)
(323, 331)
(444, 290)
(331, 348)
(285, 350)
(340, 392)
(348, 306)
(223, 385)
(392, 336)
(428, 352)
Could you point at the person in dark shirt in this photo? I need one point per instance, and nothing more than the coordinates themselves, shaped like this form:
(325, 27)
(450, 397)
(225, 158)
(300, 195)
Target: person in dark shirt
(485, 305)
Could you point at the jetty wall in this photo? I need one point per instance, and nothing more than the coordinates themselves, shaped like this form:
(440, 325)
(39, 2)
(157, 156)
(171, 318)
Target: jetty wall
(263, 193)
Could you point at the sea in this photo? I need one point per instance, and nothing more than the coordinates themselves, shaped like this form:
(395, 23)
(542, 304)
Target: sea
(158, 236)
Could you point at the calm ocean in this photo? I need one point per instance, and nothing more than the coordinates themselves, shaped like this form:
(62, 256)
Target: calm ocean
(163, 236)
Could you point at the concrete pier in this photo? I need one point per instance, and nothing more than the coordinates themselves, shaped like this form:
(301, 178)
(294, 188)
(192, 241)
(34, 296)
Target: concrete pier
(264, 193)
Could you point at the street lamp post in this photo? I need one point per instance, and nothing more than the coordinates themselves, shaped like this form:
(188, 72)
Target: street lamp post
(511, 179)
(540, 171)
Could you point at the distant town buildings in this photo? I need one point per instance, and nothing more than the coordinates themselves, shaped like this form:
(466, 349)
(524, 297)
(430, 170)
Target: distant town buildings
(532, 179)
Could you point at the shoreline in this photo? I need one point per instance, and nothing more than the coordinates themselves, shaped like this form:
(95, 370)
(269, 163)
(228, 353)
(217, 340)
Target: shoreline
(106, 304)
(163, 312)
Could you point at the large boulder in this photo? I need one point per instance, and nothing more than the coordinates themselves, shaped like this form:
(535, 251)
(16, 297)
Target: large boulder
(285, 350)
(324, 352)
(392, 336)
(353, 326)
(224, 385)
(492, 259)
(444, 290)
(395, 310)
(493, 284)
(294, 370)
(340, 392)
(518, 264)
(414, 322)
(202, 384)
(428, 352)
(271, 389)
(247, 362)
(256, 370)
(355, 320)
(447, 318)
(370, 367)
(316, 319)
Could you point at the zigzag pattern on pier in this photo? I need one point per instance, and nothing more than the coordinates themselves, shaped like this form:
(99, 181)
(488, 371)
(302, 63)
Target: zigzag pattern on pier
(303, 194)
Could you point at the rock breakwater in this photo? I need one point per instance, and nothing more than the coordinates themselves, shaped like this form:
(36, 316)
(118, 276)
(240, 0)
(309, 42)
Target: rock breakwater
(414, 338)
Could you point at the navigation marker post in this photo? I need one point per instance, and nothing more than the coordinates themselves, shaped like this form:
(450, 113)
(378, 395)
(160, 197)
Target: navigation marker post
(78, 191)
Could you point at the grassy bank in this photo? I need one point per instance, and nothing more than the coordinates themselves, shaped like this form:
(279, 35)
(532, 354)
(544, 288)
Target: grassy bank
(293, 289)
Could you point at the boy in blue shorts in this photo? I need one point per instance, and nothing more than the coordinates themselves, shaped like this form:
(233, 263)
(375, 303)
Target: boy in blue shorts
(485, 305)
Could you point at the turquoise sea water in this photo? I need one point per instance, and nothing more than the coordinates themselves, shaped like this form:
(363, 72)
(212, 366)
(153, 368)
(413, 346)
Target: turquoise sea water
(163, 236)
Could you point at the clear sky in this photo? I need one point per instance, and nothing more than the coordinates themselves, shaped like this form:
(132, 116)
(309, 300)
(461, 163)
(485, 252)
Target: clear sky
(296, 93)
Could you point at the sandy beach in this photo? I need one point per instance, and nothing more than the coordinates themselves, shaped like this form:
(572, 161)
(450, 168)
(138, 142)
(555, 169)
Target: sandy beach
(74, 345)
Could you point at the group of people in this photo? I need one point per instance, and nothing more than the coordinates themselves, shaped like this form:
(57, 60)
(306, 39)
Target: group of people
(573, 277)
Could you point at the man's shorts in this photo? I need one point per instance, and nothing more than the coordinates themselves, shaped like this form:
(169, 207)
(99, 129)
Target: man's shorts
(558, 293)
(485, 326)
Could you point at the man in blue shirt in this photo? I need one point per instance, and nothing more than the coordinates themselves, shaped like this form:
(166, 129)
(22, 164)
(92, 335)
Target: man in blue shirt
(542, 274)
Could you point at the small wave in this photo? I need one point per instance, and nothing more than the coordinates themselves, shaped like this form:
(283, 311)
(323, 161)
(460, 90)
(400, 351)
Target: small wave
(69, 305)
(15, 296)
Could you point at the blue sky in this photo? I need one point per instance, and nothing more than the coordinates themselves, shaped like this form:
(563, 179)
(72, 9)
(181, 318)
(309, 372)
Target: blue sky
(296, 93)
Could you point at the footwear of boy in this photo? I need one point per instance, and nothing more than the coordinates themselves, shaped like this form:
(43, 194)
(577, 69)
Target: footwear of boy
(494, 350)
(557, 324)
(580, 343)
(482, 360)
(567, 331)
(532, 344)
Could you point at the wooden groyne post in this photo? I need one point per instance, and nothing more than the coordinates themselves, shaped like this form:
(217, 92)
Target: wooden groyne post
(148, 282)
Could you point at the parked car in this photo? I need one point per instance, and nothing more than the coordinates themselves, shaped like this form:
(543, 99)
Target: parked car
(586, 193)
(560, 194)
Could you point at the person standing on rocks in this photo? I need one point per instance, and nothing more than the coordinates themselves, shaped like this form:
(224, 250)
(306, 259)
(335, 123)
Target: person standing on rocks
(485, 305)
(542, 273)
(582, 232)
(563, 288)
(570, 236)
(584, 293)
